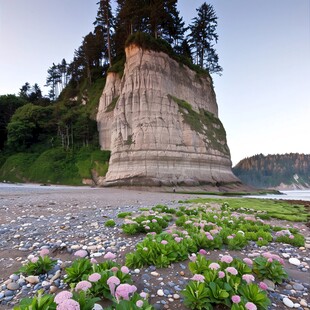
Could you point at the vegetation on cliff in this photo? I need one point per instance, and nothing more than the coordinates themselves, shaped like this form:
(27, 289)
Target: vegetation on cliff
(275, 170)
(59, 127)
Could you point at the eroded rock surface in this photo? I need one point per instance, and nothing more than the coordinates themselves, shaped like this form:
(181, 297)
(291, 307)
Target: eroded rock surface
(160, 121)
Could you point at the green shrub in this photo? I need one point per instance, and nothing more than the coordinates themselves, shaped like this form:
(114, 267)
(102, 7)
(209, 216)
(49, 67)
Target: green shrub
(110, 223)
(124, 214)
(269, 267)
(41, 265)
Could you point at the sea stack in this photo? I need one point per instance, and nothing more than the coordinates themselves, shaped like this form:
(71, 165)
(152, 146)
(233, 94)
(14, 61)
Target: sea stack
(160, 122)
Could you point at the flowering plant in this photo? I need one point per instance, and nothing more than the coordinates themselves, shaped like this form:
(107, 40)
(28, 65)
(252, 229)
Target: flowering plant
(228, 281)
(77, 270)
(145, 224)
(269, 267)
(38, 265)
(161, 250)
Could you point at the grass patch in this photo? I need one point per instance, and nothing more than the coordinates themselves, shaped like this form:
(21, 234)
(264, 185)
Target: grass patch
(274, 208)
(110, 223)
(204, 123)
(16, 167)
(55, 166)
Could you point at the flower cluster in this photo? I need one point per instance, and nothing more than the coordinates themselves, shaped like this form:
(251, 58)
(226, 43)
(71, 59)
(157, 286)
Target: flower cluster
(228, 281)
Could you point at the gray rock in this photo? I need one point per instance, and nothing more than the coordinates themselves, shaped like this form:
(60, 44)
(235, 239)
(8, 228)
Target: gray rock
(9, 293)
(298, 287)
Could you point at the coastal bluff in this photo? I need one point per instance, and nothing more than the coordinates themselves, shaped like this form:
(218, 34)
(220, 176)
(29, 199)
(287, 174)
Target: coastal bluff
(160, 122)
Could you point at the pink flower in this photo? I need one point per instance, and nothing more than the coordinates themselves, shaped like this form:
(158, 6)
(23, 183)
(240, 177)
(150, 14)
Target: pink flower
(260, 239)
(209, 237)
(291, 237)
(202, 252)
(198, 278)
(143, 295)
(263, 286)
(154, 221)
(94, 277)
(124, 290)
(147, 227)
(164, 242)
(214, 266)
(44, 252)
(235, 299)
(34, 259)
(81, 253)
(226, 259)
(192, 257)
(68, 304)
(230, 237)
(83, 286)
(139, 303)
(248, 261)
(178, 239)
(269, 260)
(125, 270)
(248, 278)
(214, 231)
(93, 261)
(221, 274)
(232, 270)
(114, 269)
(250, 306)
(62, 296)
(112, 282)
(109, 255)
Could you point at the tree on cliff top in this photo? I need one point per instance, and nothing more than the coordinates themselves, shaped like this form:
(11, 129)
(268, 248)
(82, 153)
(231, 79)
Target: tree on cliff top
(202, 38)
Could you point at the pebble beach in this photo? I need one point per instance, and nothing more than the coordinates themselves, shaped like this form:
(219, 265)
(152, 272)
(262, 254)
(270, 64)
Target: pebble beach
(66, 219)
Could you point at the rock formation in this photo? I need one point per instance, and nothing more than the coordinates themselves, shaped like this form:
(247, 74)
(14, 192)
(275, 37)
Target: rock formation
(160, 121)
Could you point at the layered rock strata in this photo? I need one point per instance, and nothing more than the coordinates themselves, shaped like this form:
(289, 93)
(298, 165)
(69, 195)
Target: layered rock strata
(160, 121)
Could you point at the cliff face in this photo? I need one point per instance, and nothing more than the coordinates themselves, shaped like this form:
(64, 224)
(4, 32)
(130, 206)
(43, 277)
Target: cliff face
(160, 123)
(279, 171)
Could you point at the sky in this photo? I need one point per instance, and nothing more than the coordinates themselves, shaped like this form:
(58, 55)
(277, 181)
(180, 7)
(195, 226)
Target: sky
(264, 48)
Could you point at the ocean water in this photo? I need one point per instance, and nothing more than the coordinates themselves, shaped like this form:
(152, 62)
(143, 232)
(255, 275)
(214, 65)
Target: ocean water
(288, 195)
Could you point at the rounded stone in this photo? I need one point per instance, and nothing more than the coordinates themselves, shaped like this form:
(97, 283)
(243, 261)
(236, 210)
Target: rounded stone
(298, 287)
(14, 277)
(160, 292)
(294, 261)
(32, 279)
(288, 302)
(53, 289)
(8, 293)
(13, 286)
(176, 296)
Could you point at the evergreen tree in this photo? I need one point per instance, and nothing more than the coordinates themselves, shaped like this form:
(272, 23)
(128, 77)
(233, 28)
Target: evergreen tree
(8, 105)
(104, 26)
(53, 79)
(202, 37)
